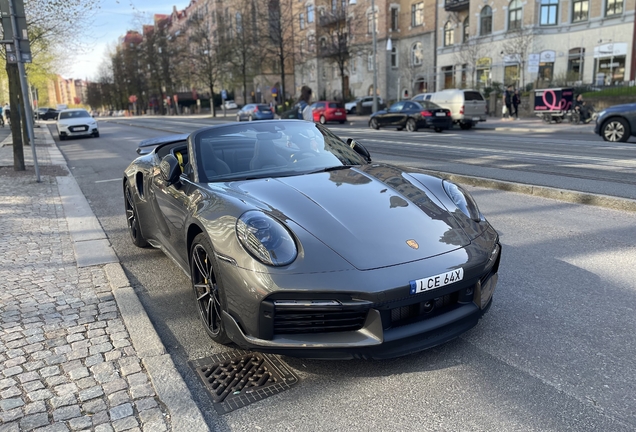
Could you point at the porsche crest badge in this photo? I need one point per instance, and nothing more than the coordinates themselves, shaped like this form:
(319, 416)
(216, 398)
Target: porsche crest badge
(412, 243)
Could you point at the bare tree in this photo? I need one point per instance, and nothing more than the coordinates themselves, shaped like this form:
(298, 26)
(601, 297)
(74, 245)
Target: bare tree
(278, 32)
(519, 42)
(243, 53)
(335, 41)
(206, 58)
(469, 54)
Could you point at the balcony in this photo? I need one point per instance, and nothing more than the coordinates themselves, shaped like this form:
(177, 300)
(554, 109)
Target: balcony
(332, 17)
(456, 5)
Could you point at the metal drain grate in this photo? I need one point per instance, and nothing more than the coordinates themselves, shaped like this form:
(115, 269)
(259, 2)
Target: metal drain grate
(238, 378)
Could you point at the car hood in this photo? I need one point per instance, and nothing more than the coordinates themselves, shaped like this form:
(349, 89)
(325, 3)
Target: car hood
(367, 215)
(77, 121)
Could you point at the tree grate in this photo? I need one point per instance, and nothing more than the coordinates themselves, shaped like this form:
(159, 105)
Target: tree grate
(238, 378)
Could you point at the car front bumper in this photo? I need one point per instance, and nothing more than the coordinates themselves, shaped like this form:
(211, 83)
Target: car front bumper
(392, 322)
(72, 131)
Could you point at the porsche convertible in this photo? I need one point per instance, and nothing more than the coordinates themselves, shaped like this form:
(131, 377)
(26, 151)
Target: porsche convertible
(297, 243)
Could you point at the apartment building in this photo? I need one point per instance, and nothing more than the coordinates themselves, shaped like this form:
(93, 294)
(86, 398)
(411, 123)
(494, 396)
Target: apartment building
(540, 42)
(421, 45)
(335, 39)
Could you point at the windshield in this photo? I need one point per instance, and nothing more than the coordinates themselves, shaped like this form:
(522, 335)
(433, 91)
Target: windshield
(272, 149)
(73, 114)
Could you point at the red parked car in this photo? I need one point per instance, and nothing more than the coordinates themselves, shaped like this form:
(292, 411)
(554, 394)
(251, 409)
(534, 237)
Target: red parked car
(325, 111)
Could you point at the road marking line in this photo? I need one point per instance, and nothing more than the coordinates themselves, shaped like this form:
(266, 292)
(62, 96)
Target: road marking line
(108, 181)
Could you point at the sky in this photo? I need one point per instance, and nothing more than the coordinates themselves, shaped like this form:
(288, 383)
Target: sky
(111, 21)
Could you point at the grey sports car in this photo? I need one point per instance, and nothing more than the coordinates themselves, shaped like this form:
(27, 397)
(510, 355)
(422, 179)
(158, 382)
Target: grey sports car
(297, 243)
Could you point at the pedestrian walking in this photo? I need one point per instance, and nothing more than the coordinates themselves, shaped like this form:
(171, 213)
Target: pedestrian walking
(516, 101)
(507, 103)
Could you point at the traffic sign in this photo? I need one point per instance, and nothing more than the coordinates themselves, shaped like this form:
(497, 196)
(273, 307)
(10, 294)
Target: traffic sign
(223, 94)
(20, 20)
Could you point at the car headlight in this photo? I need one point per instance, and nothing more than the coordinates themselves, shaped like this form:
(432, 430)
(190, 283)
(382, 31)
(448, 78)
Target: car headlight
(266, 239)
(462, 200)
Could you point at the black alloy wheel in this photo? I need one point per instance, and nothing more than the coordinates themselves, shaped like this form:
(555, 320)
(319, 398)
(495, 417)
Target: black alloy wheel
(207, 290)
(615, 130)
(131, 219)
(411, 125)
(374, 124)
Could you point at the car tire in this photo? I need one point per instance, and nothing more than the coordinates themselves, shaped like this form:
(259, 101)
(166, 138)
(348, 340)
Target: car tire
(400, 128)
(465, 126)
(238, 118)
(411, 125)
(322, 120)
(249, 118)
(438, 129)
(353, 110)
(61, 137)
(207, 288)
(132, 219)
(374, 124)
(615, 130)
(96, 134)
(341, 122)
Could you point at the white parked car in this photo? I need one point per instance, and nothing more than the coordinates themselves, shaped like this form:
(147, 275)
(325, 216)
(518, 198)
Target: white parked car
(76, 122)
(367, 101)
(230, 104)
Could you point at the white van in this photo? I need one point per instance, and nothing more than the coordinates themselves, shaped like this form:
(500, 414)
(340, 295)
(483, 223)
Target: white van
(468, 107)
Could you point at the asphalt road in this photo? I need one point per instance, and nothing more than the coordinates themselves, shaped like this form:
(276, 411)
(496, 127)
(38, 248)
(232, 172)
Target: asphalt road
(557, 350)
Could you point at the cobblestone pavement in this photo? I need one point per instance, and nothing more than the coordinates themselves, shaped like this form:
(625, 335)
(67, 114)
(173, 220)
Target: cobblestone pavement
(67, 358)
(67, 362)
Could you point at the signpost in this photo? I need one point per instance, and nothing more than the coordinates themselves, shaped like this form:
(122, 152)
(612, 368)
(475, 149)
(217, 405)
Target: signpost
(223, 98)
(19, 51)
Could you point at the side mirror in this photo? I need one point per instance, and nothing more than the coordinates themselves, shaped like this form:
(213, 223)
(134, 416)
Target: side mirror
(360, 149)
(170, 169)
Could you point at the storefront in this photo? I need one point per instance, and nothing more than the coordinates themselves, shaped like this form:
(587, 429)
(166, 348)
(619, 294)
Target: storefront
(609, 63)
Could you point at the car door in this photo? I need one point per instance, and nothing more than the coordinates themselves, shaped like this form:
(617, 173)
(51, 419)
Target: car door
(410, 109)
(394, 114)
(172, 203)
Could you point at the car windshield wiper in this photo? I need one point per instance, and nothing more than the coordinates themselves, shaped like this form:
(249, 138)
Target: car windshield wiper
(333, 168)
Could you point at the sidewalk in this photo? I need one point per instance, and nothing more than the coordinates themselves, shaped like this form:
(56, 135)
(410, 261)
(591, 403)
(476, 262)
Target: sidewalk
(77, 350)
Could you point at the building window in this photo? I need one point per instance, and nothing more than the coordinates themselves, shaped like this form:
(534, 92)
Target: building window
(575, 64)
(394, 57)
(449, 34)
(310, 13)
(614, 7)
(354, 65)
(370, 62)
(334, 5)
(449, 76)
(301, 20)
(485, 21)
(580, 10)
(417, 14)
(417, 54)
(545, 72)
(372, 19)
(549, 9)
(466, 29)
(514, 15)
(394, 19)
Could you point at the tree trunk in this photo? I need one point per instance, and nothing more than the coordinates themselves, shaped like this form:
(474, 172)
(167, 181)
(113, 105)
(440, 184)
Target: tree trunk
(14, 101)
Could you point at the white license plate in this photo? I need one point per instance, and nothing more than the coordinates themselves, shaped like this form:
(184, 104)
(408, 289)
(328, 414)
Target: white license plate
(440, 114)
(438, 281)
(476, 119)
(338, 112)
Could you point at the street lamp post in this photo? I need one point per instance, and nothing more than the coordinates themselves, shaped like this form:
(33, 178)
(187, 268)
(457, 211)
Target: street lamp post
(375, 51)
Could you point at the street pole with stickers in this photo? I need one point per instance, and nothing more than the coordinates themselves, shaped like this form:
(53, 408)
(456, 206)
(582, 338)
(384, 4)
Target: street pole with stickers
(18, 51)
